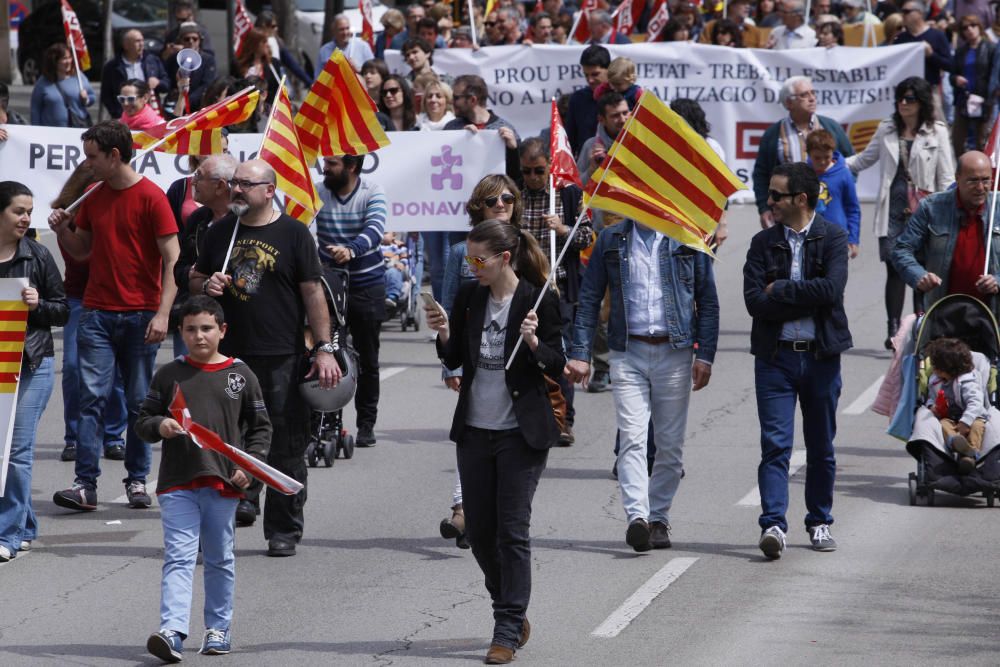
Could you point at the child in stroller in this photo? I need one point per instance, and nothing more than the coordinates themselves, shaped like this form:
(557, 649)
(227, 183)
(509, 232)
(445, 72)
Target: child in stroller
(955, 395)
(397, 264)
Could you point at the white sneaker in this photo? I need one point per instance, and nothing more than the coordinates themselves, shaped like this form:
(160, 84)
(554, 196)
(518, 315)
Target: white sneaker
(25, 545)
(5, 554)
(772, 542)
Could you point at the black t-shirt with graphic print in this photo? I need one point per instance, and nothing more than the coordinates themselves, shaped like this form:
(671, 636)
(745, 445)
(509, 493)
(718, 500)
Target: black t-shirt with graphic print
(263, 305)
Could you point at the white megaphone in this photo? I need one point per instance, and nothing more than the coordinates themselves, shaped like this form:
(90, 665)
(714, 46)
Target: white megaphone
(188, 60)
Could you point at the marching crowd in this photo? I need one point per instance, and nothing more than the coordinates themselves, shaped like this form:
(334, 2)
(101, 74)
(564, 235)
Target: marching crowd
(216, 265)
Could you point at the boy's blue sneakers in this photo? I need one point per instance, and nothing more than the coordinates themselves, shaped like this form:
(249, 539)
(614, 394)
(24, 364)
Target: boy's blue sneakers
(166, 645)
(216, 642)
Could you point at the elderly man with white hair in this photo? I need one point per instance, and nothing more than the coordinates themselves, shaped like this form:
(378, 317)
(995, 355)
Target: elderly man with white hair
(355, 49)
(602, 30)
(785, 141)
(793, 33)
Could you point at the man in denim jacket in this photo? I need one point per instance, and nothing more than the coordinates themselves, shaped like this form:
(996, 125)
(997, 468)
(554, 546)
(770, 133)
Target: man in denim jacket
(793, 286)
(942, 251)
(663, 303)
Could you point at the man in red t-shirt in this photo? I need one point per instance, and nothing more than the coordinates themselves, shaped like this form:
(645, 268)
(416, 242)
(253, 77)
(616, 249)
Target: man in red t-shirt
(126, 228)
(948, 233)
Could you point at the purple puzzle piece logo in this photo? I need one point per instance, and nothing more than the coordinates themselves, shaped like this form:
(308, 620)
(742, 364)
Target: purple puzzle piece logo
(446, 161)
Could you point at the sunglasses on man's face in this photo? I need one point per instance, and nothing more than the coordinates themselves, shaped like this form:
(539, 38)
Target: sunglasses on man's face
(537, 171)
(778, 196)
(479, 263)
(507, 199)
(489, 24)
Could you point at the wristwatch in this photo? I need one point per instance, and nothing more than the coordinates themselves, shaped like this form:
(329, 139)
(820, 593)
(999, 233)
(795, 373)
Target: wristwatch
(324, 346)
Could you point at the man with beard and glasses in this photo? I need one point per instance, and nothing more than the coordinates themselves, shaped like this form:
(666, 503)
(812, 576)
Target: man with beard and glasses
(268, 284)
(349, 228)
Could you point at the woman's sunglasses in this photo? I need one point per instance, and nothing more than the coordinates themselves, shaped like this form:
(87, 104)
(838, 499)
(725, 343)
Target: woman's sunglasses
(127, 99)
(506, 198)
(479, 263)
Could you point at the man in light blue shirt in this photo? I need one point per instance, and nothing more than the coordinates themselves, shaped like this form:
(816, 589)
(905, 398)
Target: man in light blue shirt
(355, 49)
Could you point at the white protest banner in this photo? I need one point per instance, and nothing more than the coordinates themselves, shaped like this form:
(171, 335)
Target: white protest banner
(427, 176)
(13, 322)
(737, 88)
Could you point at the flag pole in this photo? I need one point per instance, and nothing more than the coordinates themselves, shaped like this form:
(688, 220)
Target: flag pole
(583, 212)
(76, 64)
(236, 227)
(993, 203)
(576, 23)
(552, 211)
(472, 25)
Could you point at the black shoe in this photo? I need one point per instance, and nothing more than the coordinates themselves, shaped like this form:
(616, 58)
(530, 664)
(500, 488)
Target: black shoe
(279, 547)
(637, 535)
(462, 542)
(892, 326)
(77, 497)
(614, 470)
(365, 437)
(246, 513)
(659, 535)
(68, 452)
(566, 438)
(115, 452)
(137, 496)
(599, 382)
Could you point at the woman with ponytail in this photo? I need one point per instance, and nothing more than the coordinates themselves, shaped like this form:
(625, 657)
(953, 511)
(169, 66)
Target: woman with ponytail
(504, 423)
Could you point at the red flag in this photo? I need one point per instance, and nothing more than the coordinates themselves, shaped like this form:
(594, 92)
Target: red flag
(659, 16)
(580, 32)
(991, 145)
(564, 171)
(627, 16)
(74, 35)
(367, 24)
(242, 24)
(207, 439)
(539, 8)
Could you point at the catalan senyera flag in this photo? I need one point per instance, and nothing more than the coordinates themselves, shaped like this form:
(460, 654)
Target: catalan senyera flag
(338, 116)
(663, 174)
(281, 150)
(74, 35)
(13, 322)
(201, 132)
(490, 6)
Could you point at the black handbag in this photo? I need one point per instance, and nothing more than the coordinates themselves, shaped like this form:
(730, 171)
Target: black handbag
(74, 120)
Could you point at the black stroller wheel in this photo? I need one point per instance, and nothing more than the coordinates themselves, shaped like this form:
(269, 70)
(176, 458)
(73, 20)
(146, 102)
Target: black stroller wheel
(329, 452)
(930, 497)
(348, 449)
(990, 498)
(312, 458)
(912, 484)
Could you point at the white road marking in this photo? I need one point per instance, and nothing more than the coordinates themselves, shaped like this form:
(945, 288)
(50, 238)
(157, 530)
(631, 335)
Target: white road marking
(865, 400)
(389, 372)
(752, 499)
(638, 601)
(150, 489)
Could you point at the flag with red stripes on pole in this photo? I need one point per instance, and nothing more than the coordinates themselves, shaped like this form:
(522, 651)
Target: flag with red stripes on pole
(281, 149)
(338, 116)
(663, 174)
(13, 324)
(367, 22)
(74, 35)
(242, 25)
(658, 18)
(564, 170)
(201, 132)
(626, 16)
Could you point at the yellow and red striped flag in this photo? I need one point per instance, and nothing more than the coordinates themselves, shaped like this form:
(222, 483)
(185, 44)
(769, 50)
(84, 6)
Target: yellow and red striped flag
(338, 116)
(663, 174)
(201, 132)
(13, 322)
(281, 150)
(74, 35)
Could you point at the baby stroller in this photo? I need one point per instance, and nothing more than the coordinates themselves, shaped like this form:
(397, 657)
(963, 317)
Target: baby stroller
(329, 439)
(409, 314)
(969, 319)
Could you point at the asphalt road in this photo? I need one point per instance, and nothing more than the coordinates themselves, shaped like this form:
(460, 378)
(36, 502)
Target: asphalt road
(373, 583)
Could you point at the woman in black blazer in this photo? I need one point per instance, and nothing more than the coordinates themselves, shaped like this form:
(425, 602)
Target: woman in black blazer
(504, 423)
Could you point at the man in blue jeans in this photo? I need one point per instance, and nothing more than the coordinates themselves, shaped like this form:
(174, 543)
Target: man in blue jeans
(663, 304)
(127, 229)
(793, 285)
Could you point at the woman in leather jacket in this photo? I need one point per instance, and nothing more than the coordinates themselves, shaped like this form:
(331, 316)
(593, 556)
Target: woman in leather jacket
(21, 257)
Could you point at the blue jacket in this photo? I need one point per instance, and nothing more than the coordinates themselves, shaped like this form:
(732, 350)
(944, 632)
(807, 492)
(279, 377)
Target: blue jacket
(820, 294)
(690, 302)
(838, 201)
(767, 155)
(581, 121)
(928, 243)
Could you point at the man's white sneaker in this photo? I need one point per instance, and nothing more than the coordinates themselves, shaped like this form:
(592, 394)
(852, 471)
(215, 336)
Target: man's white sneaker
(772, 542)
(821, 538)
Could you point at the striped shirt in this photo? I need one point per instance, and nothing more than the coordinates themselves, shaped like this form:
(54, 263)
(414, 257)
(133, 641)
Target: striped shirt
(358, 223)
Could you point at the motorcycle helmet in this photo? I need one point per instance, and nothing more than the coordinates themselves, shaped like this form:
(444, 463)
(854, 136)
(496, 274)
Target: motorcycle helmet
(335, 398)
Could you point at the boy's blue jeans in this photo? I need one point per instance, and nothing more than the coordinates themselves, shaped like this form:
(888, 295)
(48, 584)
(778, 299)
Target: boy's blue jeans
(188, 516)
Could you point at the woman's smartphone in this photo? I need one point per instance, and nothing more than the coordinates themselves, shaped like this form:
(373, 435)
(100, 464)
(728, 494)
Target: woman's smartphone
(429, 301)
